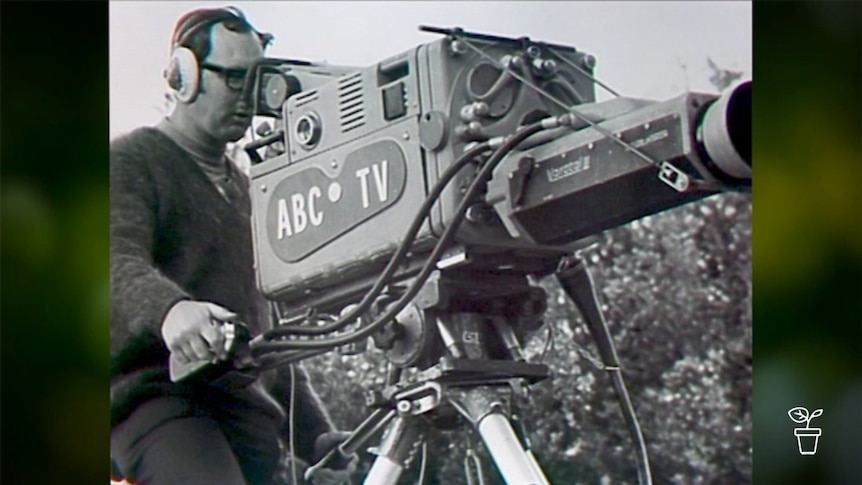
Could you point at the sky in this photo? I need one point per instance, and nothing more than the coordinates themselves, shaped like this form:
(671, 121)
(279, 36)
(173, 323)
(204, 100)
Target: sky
(652, 50)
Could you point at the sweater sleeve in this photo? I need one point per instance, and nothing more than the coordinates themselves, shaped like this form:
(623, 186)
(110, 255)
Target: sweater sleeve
(140, 294)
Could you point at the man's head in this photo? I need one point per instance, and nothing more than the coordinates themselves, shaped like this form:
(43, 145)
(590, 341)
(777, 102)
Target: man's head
(212, 51)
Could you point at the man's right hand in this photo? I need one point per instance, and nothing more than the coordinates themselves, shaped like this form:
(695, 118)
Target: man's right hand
(193, 331)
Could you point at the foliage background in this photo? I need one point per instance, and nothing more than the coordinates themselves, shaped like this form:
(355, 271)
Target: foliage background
(806, 256)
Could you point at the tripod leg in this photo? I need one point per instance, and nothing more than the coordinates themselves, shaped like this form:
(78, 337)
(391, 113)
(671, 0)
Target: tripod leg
(339, 456)
(537, 469)
(518, 426)
(400, 442)
(516, 465)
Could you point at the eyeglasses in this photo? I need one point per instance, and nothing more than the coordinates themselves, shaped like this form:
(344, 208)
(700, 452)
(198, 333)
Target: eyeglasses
(233, 78)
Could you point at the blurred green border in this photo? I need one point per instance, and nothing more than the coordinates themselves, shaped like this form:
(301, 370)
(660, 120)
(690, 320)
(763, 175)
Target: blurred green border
(55, 308)
(807, 240)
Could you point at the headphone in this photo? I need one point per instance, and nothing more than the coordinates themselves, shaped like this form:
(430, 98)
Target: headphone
(183, 71)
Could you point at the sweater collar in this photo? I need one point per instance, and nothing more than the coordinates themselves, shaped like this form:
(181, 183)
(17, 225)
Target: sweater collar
(201, 151)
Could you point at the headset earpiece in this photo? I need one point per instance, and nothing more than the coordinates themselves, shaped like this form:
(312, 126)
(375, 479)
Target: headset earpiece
(183, 75)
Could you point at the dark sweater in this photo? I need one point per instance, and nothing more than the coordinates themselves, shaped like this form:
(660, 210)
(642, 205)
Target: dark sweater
(173, 237)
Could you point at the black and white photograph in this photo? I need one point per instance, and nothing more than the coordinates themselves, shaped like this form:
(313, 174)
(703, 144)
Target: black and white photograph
(431, 242)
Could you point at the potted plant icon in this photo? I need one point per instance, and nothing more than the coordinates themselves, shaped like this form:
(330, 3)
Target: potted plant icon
(806, 437)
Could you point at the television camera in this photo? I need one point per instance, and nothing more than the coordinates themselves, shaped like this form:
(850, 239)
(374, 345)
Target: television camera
(414, 202)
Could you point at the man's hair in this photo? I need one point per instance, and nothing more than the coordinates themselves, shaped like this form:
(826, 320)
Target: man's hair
(194, 29)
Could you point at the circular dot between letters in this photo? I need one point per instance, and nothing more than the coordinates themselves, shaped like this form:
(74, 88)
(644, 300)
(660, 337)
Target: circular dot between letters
(334, 192)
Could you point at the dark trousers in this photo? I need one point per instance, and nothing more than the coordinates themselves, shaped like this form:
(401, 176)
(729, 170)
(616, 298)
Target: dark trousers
(173, 440)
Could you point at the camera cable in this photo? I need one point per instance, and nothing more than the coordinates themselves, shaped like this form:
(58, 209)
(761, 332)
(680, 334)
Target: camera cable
(394, 262)
(430, 264)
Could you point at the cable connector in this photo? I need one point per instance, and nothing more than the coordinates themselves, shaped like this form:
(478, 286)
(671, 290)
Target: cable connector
(496, 142)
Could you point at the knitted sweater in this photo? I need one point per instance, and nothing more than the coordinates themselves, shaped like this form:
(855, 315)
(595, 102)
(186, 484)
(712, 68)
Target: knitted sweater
(173, 237)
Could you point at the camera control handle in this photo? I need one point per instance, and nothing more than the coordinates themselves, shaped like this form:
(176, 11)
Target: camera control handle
(237, 371)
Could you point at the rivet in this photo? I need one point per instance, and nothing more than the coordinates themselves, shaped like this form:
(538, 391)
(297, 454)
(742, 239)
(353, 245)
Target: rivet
(404, 406)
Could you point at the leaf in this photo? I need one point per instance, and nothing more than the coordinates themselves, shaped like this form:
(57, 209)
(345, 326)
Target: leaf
(798, 414)
(816, 413)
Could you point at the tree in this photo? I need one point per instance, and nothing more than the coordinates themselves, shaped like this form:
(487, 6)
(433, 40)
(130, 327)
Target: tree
(722, 78)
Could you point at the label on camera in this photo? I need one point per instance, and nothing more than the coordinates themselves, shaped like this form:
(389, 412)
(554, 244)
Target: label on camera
(308, 209)
(590, 165)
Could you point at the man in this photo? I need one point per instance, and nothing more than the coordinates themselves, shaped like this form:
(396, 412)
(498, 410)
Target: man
(182, 266)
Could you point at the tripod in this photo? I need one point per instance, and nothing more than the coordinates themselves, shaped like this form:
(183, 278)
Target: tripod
(463, 334)
(485, 411)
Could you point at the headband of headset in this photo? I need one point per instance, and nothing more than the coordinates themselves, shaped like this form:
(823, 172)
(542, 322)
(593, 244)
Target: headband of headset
(196, 20)
(193, 21)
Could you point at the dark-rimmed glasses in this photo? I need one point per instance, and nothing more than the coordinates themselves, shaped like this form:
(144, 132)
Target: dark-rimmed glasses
(234, 78)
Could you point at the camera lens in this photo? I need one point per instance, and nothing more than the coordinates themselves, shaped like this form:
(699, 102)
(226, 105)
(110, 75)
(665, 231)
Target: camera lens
(307, 130)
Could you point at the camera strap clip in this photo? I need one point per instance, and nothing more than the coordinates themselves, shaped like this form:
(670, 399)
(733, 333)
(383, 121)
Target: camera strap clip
(673, 176)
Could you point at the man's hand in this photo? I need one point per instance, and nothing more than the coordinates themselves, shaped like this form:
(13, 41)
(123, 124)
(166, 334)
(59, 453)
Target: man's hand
(192, 331)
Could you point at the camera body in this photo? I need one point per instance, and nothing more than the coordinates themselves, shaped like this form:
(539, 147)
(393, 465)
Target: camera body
(362, 150)
(363, 147)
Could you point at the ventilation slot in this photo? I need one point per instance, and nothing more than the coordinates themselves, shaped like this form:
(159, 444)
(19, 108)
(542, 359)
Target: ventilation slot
(304, 98)
(351, 104)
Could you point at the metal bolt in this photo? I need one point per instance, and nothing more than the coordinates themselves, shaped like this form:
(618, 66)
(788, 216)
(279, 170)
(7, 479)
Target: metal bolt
(404, 406)
(514, 62)
(538, 64)
(475, 110)
(590, 146)
(334, 164)
(477, 213)
(646, 126)
(263, 188)
(467, 113)
(457, 48)
(406, 135)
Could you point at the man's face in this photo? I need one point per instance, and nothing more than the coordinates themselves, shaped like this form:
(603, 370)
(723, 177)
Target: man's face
(218, 110)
